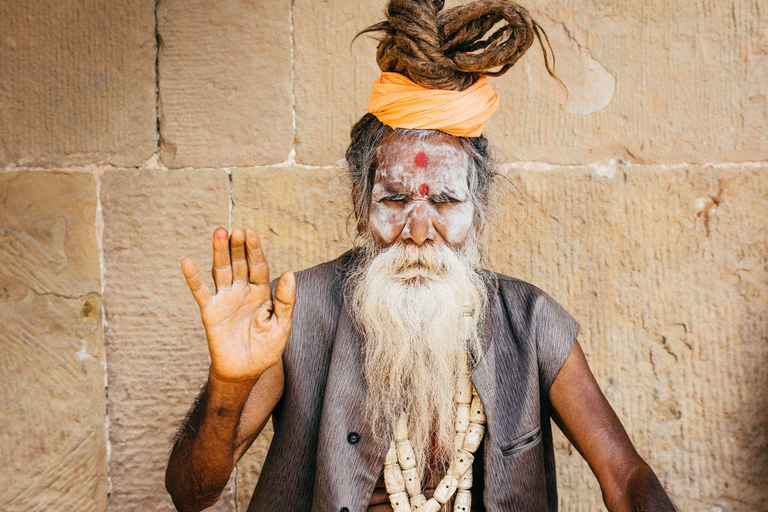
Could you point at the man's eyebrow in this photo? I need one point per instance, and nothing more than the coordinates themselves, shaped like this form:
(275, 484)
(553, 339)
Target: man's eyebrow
(447, 191)
(390, 190)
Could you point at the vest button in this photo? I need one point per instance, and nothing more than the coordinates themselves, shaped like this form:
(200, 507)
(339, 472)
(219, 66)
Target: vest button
(353, 437)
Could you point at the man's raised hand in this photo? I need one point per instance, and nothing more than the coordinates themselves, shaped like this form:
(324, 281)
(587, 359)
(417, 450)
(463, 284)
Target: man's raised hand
(247, 328)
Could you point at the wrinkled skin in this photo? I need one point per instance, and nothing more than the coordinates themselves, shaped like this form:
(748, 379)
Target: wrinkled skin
(420, 193)
(419, 196)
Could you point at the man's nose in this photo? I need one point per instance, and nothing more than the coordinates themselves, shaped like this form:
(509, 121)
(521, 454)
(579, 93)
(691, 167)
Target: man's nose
(418, 227)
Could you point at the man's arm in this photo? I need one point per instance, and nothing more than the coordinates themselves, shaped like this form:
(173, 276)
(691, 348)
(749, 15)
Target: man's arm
(247, 327)
(584, 415)
(223, 423)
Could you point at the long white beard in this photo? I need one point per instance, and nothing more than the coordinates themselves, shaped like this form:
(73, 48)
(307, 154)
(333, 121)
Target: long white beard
(409, 301)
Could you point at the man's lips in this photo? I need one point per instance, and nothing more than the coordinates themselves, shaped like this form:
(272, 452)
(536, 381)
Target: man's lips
(412, 271)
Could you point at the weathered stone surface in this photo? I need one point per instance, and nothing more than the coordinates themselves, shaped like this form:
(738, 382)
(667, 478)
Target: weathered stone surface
(665, 271)
(78, 83)
(649, 83)
(299, 213)
(156, 348)
(690, 85)
(663, 268)
(332, 81)
(52, 426)
(225, 82)
(48, 235)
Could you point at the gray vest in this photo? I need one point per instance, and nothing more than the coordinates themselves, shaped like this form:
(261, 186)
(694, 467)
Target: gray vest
(323, 458)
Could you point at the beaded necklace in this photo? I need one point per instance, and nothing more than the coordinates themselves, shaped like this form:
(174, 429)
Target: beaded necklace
(400, 474)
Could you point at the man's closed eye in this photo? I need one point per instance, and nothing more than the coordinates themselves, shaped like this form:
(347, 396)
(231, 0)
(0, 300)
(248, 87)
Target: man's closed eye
(394, 198)
(444, 199)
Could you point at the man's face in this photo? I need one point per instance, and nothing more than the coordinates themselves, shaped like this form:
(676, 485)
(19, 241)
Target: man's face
(420, 193)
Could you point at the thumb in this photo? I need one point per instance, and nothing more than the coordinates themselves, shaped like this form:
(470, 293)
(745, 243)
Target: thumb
(285, 299)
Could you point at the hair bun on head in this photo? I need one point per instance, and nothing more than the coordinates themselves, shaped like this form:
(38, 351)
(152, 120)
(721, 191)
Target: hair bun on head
(449, 49)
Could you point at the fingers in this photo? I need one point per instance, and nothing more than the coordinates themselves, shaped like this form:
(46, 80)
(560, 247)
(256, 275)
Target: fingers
(258, 271)
(222, 271)
(285, 299)
(237, 248)
(195, 281)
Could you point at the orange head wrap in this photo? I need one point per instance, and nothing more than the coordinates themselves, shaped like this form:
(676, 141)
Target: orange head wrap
(399, 102)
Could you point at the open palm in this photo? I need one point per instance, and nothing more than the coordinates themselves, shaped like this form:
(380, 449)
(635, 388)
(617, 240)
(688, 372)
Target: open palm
(247, 329)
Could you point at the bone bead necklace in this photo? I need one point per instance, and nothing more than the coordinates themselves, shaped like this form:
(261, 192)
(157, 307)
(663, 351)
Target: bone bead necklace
(400, 474)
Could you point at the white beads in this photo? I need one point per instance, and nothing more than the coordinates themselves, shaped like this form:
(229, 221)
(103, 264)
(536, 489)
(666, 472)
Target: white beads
(462, 461)
(399, 502)
(463, 502)
(458, 440)
(405, 455)
(412, 481)
(473, 437)
(445, 488)
(462, 417)
(476, 411)
(393, 479)
(391, 457)
(432, 505)
(465, 482)
(418, 501)
(464, 390)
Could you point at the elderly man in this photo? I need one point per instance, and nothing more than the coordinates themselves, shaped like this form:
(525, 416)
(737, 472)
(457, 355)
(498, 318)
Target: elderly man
(401, 375)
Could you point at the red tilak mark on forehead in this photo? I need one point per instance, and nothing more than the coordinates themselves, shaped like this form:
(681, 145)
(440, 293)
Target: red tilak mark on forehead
(420, 160)
(423, 189)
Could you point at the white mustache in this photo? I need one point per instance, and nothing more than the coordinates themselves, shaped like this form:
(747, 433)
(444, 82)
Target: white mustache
(406, 258)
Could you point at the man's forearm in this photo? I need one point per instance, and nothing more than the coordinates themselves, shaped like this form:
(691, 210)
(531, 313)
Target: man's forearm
(646, 494)
(202, 457)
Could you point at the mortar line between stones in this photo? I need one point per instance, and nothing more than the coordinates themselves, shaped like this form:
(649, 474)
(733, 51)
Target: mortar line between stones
(523, 166)
(231, 204)
(99, 234)
(292, 153)
(157, 86)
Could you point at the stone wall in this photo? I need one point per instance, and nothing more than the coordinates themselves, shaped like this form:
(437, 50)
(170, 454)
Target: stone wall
(129, 131)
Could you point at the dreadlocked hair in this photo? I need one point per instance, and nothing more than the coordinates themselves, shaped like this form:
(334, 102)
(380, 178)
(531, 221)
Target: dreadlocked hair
(448, 49)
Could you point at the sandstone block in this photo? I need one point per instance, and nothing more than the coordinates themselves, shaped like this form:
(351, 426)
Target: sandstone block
(48, 236)
(648, 83)
(300, 214)
(225, 82)
(52, 428)
(157, 352)
(78, 83)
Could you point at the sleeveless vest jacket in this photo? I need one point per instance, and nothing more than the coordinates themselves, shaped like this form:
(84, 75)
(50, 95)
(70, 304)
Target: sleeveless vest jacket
(323, 458)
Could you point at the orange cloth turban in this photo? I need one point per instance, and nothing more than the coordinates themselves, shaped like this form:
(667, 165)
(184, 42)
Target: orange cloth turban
(399, 102)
